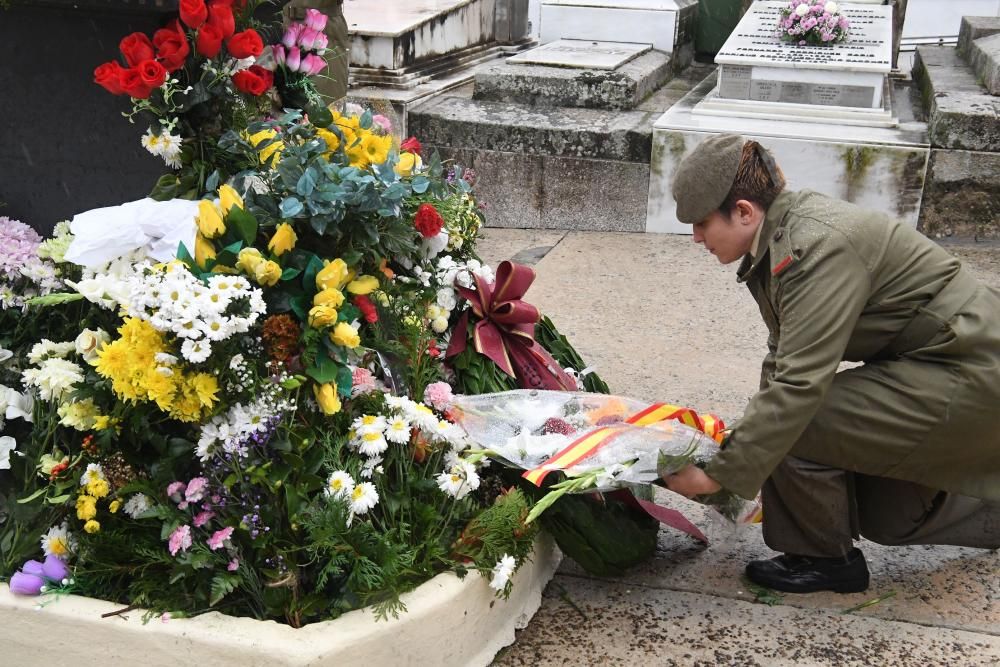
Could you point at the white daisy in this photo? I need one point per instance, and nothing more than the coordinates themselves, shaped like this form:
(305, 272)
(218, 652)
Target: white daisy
(340, 485)
(369, 424)
(196, 351)
(460, 480)
(398, 430)
(502, 572)
(363, 498)
(372, 444)
(59, 541)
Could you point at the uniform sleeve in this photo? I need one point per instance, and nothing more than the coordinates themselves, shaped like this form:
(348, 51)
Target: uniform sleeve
(820, 297)
(767, 366)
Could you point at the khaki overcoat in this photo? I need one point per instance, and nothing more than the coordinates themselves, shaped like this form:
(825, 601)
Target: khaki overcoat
(835, 282)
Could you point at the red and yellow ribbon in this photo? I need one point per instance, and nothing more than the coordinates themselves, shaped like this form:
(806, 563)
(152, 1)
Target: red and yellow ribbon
(591, 442)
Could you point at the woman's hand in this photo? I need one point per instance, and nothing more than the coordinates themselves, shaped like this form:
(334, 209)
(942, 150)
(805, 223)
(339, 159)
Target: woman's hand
(691, 481)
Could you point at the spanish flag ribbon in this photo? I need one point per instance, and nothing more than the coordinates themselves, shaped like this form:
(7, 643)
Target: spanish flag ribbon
(592, 441)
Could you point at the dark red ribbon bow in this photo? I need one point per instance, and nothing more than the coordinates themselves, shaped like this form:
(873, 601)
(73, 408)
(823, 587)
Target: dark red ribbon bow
(505, 332)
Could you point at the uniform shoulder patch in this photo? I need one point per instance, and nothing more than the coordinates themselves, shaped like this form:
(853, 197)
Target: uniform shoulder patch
(781, 252)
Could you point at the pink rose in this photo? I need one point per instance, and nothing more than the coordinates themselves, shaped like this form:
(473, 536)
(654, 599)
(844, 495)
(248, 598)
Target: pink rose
(291, 35)
(312, 64)
(278, 51)
(293, 59)
(316, 19)
(306, 38)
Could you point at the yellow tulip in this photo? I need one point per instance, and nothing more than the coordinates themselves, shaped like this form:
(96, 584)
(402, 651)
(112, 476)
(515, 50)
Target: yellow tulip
(248, 259)
(345, 336)
(267, 273)
(331, 296)
(228, 198)
(363, 285)
(284, 239)
(210, 220)
(326, 397)
(204, 250)
(334, 274)
(321, 317)
(407, 163)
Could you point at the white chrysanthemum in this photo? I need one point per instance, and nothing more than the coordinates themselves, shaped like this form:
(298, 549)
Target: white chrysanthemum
(151, 142)
(422, 417)
(368, 424)
(502, 572)
(165, 359)
(398, 430)
(340, 485)
(363, 498)
(459, 481)
(371, 466)
(372, 444)
(79, 415)
(196, 351)
(136, 505)
(59, 541)
(446, 298)
(46, 349)
(216, 328)
(55, 378)
(93, 473)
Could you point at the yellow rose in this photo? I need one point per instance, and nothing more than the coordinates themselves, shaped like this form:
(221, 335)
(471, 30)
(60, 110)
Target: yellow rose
(210, 220)
(363, 285)
(326, 396)
(345, 336)
(267, 273)
(248, 259)
(407, 163)
(92, 526)
(331, 296)
(283, 240)
(334, 274)
(204, 250)
(228, 197)
(321, 317)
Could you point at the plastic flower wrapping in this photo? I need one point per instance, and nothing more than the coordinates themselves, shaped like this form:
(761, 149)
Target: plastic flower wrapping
(599, 442)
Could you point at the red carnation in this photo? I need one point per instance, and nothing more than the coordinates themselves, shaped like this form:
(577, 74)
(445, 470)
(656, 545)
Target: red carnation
(221, 16)
(411, 145)
(171, 47)
(255, 81)
(209, 41)
(108, 76)
(245, 44)
(153, 74)
(136, 48)
(428, 221)
(193, 13)
(433, 351)
(366, 307)
(556, 425)
(133, 85)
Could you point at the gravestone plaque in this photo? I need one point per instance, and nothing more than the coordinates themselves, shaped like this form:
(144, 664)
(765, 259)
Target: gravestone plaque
(755, 65)
(581, 53)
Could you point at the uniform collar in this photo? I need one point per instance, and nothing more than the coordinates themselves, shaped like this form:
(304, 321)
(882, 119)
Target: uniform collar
(774, 219)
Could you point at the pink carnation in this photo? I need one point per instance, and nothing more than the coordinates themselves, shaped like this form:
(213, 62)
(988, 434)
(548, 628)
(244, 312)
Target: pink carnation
(382, 122)
(362, 381)
(201, 518)
(18, 246)
(219, 537)
(195, 489)
(175, 491)
(233, 564)
(180, 539)
(438, 394)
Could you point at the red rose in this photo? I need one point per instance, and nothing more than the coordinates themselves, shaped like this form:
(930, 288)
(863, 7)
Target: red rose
(153, 74)
(107, 76)
(255, 81)
(221, 16)
(245, 44)
(193, 12)
(133, 85)
(136, 48)
(366, 307)
(411, 145)
(171, 47)
(209, 40)
(428, 221)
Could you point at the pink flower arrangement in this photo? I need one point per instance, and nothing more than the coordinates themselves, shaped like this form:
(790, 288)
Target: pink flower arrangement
(18, 246)
(303, 45)
(812, 23)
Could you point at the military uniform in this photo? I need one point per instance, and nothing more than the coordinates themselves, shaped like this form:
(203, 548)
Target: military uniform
(904, 448)
(332, 83)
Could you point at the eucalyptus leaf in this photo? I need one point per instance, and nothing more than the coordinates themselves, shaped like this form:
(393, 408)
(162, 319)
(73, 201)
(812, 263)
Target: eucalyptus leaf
(290, 207)
(420, 184)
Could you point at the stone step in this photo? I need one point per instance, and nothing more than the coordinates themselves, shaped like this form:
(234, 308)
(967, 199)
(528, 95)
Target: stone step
(984, 56)
(975, 27)
(961, 112)
(395, 35)
(545, 86)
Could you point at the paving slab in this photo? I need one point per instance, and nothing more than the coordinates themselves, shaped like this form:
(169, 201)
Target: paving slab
(974, 27)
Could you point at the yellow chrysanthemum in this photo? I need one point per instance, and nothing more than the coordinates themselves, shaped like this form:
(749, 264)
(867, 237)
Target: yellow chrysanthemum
(86, 507)
(114, 506)
(92, 527)
(98, 488)
(206, 388)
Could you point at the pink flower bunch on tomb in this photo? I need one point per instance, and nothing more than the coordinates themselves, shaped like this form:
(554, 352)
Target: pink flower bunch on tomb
(303, 45)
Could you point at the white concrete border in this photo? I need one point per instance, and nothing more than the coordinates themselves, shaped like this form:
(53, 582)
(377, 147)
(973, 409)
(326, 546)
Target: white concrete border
(449, 622)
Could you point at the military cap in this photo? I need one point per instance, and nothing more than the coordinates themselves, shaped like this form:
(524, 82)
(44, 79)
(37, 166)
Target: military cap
(705, 177)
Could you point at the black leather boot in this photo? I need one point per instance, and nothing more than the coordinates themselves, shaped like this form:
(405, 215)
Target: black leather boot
(804, 574)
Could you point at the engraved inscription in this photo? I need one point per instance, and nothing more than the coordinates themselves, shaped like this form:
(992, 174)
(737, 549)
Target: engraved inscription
(734, 82)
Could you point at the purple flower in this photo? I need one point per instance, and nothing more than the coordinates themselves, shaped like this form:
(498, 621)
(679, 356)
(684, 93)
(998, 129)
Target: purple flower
(201, 518)
(33, 567)
(54, 568)
(26, 584)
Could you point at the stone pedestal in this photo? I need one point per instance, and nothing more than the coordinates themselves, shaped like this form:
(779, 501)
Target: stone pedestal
(666, 25)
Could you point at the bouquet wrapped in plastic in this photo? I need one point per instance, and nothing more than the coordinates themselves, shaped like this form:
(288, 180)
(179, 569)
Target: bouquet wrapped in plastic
(599, 442)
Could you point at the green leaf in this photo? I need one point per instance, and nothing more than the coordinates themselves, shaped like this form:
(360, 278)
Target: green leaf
(300, 306)
(22, 501)
(212, 182)
(290, 207)
(222, 585)
(324, 370)
(344, 381)
(184, 255)
(420, 184)
(58, 500)
(54, 299)
(243, 223)
(306, 183)
(314, 266)
(290, 273)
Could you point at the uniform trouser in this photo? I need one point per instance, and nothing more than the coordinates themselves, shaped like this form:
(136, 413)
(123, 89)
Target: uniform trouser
(331, 84)
(816, 510)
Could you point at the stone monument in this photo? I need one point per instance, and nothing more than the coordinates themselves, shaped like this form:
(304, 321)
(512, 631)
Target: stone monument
(835, 120)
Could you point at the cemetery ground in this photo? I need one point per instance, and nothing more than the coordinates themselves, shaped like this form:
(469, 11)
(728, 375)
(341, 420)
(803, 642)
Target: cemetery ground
(660, 319)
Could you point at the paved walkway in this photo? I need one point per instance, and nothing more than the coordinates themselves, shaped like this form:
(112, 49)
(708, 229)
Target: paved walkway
(660, 319)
